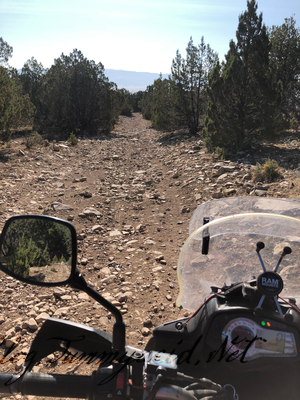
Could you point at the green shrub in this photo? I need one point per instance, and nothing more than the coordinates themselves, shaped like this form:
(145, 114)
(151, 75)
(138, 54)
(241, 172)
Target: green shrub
(267, 172)
(294, 123)
(72, 139)
(224, 192)
(33, 139)
(127, 110)
(5, 136)
(220, 152)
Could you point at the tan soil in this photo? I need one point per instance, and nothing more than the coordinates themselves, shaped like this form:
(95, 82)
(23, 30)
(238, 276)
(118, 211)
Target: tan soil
(145, 184)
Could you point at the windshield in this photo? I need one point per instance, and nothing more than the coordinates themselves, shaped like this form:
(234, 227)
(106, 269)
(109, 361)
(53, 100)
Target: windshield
(235, 226)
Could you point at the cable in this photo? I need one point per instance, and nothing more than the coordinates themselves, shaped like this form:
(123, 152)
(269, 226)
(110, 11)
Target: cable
(202, 305)
(290, 304)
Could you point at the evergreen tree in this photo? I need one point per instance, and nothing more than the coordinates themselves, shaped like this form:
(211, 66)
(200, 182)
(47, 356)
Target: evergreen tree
(16, 109)
(5, 52)
(45, 257)
(189, 81)
(135, 99)
(19, 263)
(31, 78)
(146, 102)
(285, 62)
(77, 97)
(131, 101)
(244, 96)
(181, 100)
(127, 107)
(62, 259)
(162, 111)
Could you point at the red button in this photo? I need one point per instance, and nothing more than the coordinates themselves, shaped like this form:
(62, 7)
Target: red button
(120, 381)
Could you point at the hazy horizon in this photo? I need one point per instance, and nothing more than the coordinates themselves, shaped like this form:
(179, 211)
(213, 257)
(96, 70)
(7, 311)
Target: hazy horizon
(128, 35)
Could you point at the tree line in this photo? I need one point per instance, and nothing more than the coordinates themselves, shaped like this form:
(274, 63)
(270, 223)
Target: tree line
(74, 95)
(35, 243)
(253, 93)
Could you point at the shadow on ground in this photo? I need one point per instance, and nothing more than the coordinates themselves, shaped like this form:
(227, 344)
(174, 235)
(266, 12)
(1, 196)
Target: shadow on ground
(4, 156)
(181, 136)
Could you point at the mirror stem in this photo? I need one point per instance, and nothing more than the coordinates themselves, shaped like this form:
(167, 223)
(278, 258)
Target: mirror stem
(78, 282)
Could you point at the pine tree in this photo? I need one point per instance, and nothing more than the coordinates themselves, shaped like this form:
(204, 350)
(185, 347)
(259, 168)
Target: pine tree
(45, 257)
(162, 113)
(32, 77)
(189, 82)
(5, 52)
(285, 62)
(16, 109)
(77, 97)
(146, 102)
(244, 97)
(19, 263)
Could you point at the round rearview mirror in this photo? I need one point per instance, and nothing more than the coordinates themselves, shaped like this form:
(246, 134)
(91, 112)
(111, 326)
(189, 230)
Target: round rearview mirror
(38, 249)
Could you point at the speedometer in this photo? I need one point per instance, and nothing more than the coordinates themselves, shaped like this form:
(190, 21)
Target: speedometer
(239, 333)
(245, 338)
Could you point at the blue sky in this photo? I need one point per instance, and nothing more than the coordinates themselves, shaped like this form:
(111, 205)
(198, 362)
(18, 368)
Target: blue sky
(134, 35)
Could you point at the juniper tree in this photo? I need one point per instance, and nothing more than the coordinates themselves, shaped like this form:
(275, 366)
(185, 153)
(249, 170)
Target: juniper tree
(162, 110)
(285, 62)
(77, 97)
(5, 52)
(16, 108)
(244, 96)
(189, 81)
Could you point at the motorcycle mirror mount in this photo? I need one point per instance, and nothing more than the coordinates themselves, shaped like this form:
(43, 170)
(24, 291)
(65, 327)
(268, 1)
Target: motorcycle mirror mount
(78, 282)
(42, 250)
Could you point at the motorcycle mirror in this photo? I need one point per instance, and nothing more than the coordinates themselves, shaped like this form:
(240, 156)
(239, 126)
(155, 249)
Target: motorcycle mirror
(39, 250)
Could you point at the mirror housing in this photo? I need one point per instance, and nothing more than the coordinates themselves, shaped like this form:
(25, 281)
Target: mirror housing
(42, 250)
(39, 250)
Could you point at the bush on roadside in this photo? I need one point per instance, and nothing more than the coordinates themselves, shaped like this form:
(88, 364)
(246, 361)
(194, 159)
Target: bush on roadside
(127, 110)
(33, 139)
(73, 139)
(267, 172)
(5, 136)
(220, 152)
(294, 123)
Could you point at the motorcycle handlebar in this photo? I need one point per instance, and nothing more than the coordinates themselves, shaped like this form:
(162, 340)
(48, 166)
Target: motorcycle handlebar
(69, 386)
(90, 387)
(39, 384)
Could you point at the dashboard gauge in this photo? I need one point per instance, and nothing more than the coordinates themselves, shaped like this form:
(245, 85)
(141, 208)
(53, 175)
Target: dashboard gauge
(245, 338)
(238, 334)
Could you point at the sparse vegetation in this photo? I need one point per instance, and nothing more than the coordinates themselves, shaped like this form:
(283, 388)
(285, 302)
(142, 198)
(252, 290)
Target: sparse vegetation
(220, 152)
(224, 192)
(253, 94)
(294, 123)
(267, 172)
(73, 141)
(33, 139)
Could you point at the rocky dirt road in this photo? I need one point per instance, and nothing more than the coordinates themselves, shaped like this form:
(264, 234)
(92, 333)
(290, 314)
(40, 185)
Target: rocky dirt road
(130, 196)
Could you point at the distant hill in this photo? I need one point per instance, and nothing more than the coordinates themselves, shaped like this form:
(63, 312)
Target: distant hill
(131, 80)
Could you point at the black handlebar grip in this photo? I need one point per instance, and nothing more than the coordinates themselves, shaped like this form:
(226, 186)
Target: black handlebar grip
(38, 384)
(4, 379)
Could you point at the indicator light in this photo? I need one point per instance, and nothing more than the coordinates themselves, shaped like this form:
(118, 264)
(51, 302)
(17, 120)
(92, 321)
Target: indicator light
(268, 324)
(263, 323)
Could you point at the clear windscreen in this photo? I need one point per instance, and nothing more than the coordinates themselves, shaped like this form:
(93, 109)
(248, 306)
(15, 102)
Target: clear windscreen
(231, 252)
